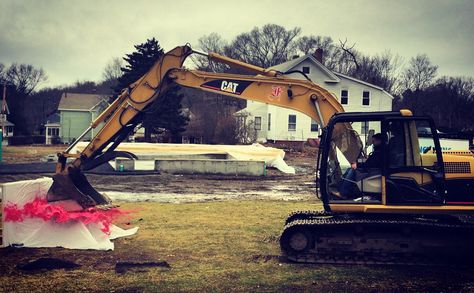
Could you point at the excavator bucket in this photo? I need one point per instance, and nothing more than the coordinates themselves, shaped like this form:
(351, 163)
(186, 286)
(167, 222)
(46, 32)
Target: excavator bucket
(73, 185)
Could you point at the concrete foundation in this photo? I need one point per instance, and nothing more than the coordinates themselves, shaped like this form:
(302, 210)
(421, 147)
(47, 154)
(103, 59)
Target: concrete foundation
(211, 166)
(197, 166)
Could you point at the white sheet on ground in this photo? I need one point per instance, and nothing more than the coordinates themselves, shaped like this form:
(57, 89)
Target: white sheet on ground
(33, 232)
(272, 157)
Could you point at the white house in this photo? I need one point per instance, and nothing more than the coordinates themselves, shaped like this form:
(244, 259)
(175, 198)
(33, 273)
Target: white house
(279, 124)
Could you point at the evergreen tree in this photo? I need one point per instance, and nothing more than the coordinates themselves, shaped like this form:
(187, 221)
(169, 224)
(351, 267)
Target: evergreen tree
(166, 113)
(166, 117)
(138, 63)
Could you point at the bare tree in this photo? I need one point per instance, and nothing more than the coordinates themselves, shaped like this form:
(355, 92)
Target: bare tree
(226, 130)
(381, 69)
(113, 69)
(448, 100)
(463, 86)
(456, 101)
(267, 46)
(245, 132)
(210, 43)
(309, 44)
(350, 54)
(334, 57)
(420, 73)
(273, 44)
(2, 72)
(25, 77)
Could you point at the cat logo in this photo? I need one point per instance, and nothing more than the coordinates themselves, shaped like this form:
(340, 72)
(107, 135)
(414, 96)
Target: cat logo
(229, 86)
(232, 86)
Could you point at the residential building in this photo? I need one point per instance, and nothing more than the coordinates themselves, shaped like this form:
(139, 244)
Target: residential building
(274, 123)
(76, 112)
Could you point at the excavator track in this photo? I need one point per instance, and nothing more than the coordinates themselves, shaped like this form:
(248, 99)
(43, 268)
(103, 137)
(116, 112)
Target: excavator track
(321, 237)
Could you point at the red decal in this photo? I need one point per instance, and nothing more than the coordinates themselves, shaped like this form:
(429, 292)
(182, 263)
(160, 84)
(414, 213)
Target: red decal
(276, 92)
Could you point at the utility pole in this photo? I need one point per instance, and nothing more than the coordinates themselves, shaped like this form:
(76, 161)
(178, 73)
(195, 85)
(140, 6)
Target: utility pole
(3, 119)
(3, 112)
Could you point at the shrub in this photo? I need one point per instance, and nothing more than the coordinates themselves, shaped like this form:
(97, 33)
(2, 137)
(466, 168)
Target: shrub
(26, 139)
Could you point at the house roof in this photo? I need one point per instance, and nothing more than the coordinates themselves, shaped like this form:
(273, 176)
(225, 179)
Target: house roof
(291, 64)
(6, 123)
(365, 83)
(80, 102)
(332, 75)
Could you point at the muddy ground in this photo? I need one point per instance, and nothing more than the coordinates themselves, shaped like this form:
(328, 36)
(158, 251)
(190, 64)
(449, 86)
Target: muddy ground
(193, 188)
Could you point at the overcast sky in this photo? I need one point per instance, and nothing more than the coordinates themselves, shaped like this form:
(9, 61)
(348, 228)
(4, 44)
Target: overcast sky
(73, 40)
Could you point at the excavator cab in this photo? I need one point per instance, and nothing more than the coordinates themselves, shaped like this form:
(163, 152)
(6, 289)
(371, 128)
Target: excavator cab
(357, 169)
(395, 199)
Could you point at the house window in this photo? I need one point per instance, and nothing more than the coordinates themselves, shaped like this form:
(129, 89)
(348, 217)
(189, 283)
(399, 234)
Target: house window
(269, 121)
(314, 126)
(291, 122)
(305, 69)
(258, 123)
(53, 131)
(344, 97)
(364, 128)
(365, 98)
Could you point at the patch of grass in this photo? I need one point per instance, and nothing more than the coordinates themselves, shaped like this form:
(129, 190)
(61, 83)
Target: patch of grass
(215, 246)
(29, 153)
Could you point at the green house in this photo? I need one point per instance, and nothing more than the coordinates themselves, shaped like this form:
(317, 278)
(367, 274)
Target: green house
(76, 112)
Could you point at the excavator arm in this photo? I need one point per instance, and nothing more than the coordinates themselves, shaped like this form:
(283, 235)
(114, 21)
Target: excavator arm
(121, 117)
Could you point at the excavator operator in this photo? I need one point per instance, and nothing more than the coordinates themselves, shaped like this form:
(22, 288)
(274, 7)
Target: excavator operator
(374, 161)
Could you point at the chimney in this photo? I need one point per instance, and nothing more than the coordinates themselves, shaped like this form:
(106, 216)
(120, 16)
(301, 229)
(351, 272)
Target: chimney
(295, 57)
(318, 54)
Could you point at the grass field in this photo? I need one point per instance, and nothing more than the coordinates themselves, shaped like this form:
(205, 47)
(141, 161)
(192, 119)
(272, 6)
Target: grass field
(216, 246)
(28, 153)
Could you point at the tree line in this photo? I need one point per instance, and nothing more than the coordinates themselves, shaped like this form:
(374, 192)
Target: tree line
(414, 82)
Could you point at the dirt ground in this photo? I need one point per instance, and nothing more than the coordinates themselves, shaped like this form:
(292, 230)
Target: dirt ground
(28, 154)
(188, 188)
(218, 246)
(217, 233)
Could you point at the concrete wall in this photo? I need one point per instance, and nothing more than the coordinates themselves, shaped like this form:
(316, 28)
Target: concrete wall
(200, 166)
(223, 167)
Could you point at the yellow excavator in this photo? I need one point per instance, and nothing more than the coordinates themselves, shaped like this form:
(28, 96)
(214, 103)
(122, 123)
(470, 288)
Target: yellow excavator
(413, 207)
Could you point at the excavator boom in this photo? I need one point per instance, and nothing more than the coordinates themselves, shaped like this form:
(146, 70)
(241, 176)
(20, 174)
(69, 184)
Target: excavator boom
(121, 117)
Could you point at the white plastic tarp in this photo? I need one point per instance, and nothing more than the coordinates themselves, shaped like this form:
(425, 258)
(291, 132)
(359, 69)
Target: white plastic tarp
(34, 232)
(272, 157)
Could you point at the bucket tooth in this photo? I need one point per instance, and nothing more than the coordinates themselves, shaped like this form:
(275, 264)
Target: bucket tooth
(74, 186)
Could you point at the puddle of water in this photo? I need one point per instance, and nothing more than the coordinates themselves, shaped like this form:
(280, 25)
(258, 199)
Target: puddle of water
(200, 197)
